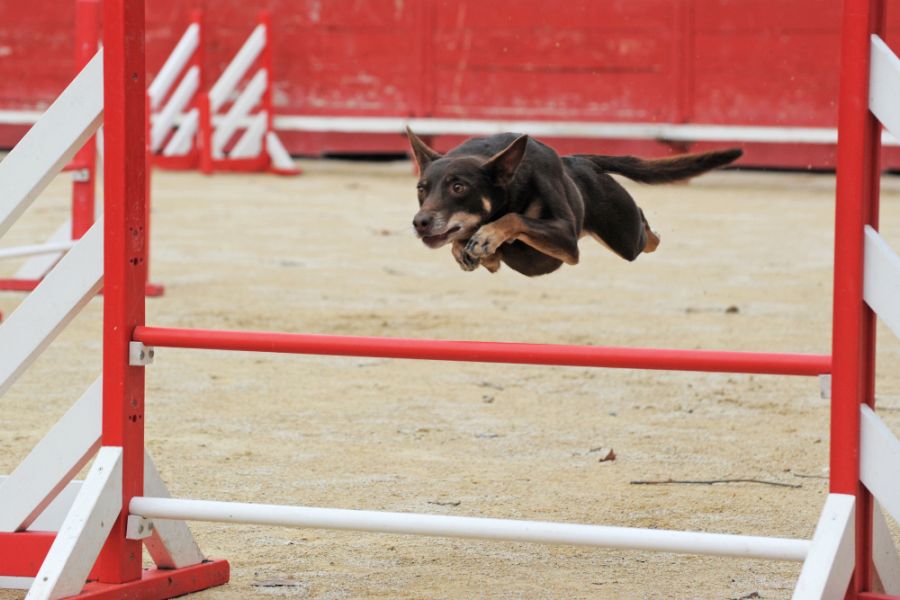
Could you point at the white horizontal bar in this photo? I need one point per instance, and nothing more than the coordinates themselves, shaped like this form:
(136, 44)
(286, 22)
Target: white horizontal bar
(179, 57)
(39, 265)
(881, 280)
(879, 459)
(236, 69)
(575, 129)
(470, 527)
(36, 249)
(20, 117)
(884, 85)
(69, 122)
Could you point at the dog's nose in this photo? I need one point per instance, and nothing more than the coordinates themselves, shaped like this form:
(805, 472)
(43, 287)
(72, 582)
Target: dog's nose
(422, 221)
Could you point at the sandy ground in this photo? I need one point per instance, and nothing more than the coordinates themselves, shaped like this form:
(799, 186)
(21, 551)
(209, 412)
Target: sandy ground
(745, 264)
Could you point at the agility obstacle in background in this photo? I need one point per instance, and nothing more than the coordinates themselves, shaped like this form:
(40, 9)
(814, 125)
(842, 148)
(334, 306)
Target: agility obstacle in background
(228, 127)
(94, 529)
(42, 257)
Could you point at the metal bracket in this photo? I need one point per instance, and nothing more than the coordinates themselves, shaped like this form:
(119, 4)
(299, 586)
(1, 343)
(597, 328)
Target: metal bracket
(81, 175)
(825, 386)
(138, 528)
(140, 355)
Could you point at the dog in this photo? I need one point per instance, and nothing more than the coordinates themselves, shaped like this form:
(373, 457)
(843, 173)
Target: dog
(508, 198)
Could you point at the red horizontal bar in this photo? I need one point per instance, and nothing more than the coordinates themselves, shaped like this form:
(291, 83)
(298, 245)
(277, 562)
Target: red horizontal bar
(23, 552)
(876, 596)
(492, 352)
(162, 583)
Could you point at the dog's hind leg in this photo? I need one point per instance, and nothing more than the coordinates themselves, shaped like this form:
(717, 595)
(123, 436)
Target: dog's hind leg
(652, 238)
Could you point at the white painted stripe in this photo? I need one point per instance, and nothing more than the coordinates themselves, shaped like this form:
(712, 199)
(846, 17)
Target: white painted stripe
(884, 85)
(179, 100)
(85, 529)
(36, 249)
(174, 64)
(45, 312)
(182, 140)
(237, 68)
(567, 129)
(575, 129)
(827, 570)
(881, 280)
(52, 142)
(541, 532)
(278, 153)
(249, 97)
(879, 455)
(250, 144)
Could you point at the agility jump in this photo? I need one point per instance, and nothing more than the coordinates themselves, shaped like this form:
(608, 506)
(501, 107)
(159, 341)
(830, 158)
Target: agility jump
(114, 508)
(227, 127)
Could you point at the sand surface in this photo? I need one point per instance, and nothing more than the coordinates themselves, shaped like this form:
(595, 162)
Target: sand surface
(745, 264)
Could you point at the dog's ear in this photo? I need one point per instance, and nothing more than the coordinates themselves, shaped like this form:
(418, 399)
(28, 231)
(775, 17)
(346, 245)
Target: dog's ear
(502, 166)
(422, 153)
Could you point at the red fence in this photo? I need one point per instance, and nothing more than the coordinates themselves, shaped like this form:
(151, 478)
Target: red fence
(727, 62)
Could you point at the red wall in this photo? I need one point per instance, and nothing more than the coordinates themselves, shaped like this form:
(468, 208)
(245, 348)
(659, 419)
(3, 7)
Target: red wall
(741, 62)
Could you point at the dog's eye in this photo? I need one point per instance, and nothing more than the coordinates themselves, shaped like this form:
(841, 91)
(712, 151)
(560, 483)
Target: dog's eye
(458, 188)
(420, 189)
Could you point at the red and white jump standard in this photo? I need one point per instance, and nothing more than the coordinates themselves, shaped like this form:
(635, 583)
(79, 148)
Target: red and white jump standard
(56, 534)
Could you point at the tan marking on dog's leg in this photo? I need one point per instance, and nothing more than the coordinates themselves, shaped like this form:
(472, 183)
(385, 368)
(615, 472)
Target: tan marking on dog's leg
(548, 250)
(534, 210)
(652, 239)
(491, 263)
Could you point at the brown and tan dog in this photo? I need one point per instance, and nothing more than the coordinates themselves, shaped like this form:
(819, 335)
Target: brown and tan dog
(509, 198)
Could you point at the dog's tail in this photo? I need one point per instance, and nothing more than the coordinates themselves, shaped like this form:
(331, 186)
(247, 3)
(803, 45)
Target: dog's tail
(663, 170)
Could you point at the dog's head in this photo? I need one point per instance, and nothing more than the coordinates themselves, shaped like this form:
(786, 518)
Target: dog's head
(457, 194)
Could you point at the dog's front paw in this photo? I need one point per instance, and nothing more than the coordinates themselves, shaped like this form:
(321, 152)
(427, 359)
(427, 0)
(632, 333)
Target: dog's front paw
(483, 244)
(466, 261)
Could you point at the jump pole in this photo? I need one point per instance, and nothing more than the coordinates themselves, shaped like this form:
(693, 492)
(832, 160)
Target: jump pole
(830, 562)
(853, 338)
(125, 274)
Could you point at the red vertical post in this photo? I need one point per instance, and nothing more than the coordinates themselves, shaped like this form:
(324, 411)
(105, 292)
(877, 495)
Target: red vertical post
(853, 337)
(124, 262)
(265, 20)
(87, 34)
(204, 139)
